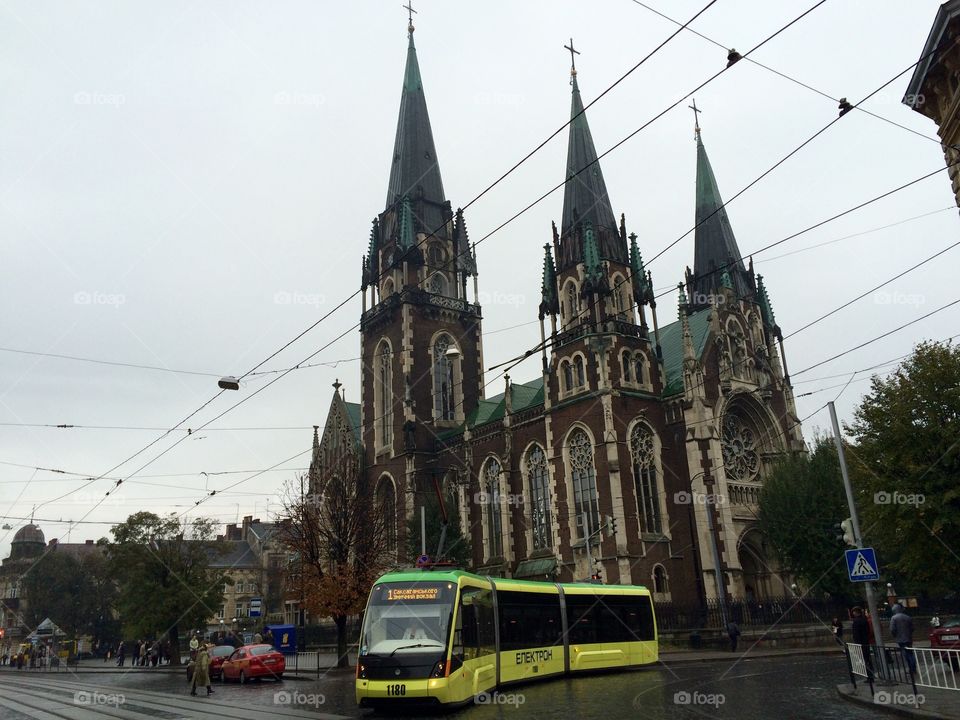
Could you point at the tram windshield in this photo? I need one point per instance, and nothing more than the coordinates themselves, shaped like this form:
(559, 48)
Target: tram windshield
(406, 617)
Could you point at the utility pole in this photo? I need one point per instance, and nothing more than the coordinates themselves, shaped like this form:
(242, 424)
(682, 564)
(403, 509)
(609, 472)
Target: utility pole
(718, 573)
(868, 586)
(586, 536)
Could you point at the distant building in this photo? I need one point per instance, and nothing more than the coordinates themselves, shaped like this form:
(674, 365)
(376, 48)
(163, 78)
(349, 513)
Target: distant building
(933, 89)
(27, 547)
(256, 565)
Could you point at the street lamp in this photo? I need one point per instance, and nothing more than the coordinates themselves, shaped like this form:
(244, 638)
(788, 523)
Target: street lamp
(228, 382)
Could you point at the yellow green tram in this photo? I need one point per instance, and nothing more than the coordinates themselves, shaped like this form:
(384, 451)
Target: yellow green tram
(444, 637)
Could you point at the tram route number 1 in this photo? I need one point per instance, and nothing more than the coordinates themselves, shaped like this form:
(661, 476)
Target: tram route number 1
(397, 689)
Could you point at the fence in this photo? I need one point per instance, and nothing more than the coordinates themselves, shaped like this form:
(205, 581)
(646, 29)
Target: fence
(747, 613)
(307, 661)
(917, 667)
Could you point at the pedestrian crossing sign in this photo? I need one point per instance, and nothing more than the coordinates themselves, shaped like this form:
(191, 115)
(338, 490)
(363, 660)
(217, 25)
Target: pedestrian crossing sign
(862, 565)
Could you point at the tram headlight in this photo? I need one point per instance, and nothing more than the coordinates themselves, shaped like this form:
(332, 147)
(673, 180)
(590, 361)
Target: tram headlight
(361, 670)
(440, 669)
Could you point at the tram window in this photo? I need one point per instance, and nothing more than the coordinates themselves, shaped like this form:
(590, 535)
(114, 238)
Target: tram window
(625, 618)
(582, 618)
(529, 620)
(476, 609)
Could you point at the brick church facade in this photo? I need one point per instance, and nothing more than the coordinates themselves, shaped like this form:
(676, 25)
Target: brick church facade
(664, 431)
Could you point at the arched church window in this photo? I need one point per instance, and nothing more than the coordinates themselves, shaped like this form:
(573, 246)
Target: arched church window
(443, 389)
(436, 255)
(573, 302)
(738, 348)
(643, 455)
(491, 487)
(387, 503)
(383, 394)
(584, 478)
(639, 368)
(580, 375)
(660, 580)
(387, 288)
(741, 455)
(540, 496)
(626, 362)
(566, 372)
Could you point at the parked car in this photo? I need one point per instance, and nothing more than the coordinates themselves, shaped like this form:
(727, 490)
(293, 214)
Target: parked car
(946, 635)
(253, 661)
(217, 655)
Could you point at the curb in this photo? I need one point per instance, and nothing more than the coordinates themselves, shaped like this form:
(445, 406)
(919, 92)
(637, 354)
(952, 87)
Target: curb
(848, 693)
(671, 659)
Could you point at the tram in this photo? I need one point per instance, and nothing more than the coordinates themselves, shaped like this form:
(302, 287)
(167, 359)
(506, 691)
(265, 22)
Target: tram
(442, 637)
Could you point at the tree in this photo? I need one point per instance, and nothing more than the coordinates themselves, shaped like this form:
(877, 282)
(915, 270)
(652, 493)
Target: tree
(58, 588)
(164, 582)
(801, 502)
(456, 545)
(905, 460)
(339, 540)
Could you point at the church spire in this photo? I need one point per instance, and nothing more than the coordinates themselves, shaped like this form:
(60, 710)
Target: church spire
(585, 196)
(415, 171)
(715, 247)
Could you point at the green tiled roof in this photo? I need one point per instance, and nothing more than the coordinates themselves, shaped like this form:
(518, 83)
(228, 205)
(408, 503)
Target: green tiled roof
(353, 413)
(525, 395)
(671, 341)
(538, 566)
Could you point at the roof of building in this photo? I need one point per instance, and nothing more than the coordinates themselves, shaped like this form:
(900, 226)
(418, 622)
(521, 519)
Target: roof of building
(671, 343)
(946, 13)
(239, 554)
(353, 415)
(414, 170)
(29, 533)
(76, 550)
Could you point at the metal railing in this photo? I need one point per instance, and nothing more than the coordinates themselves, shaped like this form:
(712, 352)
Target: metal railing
(308, 661)
(917, 667)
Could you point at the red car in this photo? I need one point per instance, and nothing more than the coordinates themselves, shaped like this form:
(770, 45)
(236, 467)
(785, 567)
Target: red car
(253, 661)
(947, 636)
(217, 655)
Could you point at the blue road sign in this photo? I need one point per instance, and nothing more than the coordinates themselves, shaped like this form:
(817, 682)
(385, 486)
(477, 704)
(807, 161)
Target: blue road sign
(255, 607)
(862, 565)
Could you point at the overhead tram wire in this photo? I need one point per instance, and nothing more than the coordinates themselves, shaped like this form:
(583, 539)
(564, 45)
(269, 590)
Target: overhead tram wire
(511, 219)
(785, 76)
(786, 157)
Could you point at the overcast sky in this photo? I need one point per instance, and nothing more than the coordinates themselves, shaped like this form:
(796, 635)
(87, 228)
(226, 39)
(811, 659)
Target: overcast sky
(190, 185)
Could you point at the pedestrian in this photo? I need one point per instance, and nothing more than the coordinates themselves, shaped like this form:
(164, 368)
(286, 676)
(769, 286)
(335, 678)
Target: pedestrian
(194, 646)
(901, 629)
(258, 638)
(860, 634)
(201, 672)
(837, 627)
(154, 653)
(733, 632)
(268, 637)
(121, 656)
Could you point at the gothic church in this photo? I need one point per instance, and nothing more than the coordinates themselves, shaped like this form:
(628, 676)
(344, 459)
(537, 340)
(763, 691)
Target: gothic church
(650, 440)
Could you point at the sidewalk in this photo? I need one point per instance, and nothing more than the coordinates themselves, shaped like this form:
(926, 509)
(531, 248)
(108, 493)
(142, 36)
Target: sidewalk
(899, 700)
(683, 657)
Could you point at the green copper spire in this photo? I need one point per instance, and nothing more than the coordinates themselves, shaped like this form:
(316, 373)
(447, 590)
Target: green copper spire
(641, 288)
(714, 245)
(407, 237)
(585, 194)
(415, 171)
(373, 252)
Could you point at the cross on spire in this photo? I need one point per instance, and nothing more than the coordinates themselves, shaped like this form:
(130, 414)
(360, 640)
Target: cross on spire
(410, 11)
(696, 117)
(573, 60)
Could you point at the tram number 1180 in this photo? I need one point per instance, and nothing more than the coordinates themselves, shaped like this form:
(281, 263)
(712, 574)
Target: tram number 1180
(395, 690)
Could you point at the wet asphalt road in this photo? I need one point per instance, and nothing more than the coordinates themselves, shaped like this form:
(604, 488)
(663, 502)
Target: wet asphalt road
(788, 688)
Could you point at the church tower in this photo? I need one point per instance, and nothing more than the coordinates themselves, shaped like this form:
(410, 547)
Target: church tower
(422, 369)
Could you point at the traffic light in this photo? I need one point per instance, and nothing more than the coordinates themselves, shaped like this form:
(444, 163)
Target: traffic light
(611, 525)
(845, 532)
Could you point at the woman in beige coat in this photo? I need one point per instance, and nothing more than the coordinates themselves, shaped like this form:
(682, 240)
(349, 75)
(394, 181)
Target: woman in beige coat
(201, 671)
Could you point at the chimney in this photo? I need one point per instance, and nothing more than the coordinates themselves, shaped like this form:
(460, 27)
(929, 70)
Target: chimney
(89, 542)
